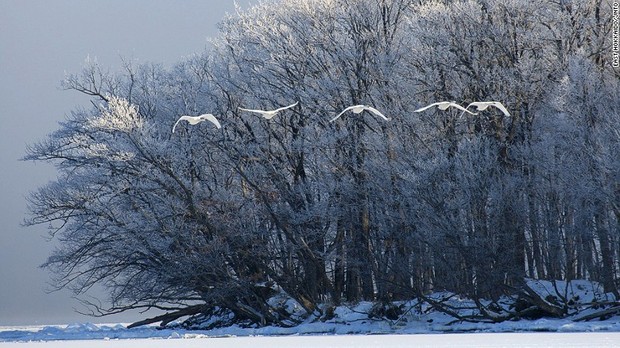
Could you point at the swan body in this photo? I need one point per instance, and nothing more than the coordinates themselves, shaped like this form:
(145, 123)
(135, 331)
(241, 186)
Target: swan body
(444, 106)
(269, 114)
(481, 106)
(194, 120)
(357, 109)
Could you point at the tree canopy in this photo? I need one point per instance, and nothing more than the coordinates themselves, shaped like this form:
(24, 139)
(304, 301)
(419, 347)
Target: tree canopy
(206, 219)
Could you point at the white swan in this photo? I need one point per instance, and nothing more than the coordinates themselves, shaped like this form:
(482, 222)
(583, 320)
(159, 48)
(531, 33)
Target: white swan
(444, 106)
(269, 114)
(358, 109)
(194, 120)
(481, 106)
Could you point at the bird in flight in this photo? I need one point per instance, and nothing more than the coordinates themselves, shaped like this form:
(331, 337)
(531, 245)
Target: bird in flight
(444, 106)
(193, 120)
(269, 114)
(358, 109)
(481, 106)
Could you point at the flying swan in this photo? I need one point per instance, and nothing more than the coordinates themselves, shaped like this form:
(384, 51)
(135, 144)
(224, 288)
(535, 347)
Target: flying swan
(269, 114)
(358, 109)
(444, 106)
(194, 120)
(481, 106)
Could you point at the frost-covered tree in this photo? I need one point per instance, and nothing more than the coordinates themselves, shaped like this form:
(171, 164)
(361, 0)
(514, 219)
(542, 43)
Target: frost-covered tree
(205, 219)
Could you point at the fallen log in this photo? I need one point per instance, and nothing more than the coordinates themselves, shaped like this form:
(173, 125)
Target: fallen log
(168, 317)
(600, 314)
(530, 295)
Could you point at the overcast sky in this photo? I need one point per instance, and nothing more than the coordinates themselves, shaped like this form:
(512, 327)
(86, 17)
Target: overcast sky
(40, 41)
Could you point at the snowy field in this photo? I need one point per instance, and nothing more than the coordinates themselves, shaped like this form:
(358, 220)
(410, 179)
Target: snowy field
(420, 333)
(351, 326)
(591, 340)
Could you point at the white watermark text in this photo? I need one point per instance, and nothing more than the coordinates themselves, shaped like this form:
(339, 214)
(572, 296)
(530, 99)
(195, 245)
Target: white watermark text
(615, 38)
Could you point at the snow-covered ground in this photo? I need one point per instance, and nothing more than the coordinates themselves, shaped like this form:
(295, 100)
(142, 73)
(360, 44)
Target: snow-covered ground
(354, 326)
(546, 339)
(354, 330)
(118, 331)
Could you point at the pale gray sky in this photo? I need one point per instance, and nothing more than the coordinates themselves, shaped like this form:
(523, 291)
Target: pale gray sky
(41, 40)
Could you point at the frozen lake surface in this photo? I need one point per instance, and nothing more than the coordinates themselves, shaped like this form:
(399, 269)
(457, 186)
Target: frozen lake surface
(547, 339)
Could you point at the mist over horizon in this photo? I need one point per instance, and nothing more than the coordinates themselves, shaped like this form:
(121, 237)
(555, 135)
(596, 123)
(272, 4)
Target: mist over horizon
(41, 42)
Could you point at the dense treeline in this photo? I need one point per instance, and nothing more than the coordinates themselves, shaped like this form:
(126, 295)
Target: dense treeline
(357, 209)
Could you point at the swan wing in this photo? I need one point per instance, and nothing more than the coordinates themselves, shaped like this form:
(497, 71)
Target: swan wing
(343, 111)
(212, 119)
(462, 108)
(182, 118)
(502, 108)
(286, 107)
(376, 112)
(253, 110)
(429, 106)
